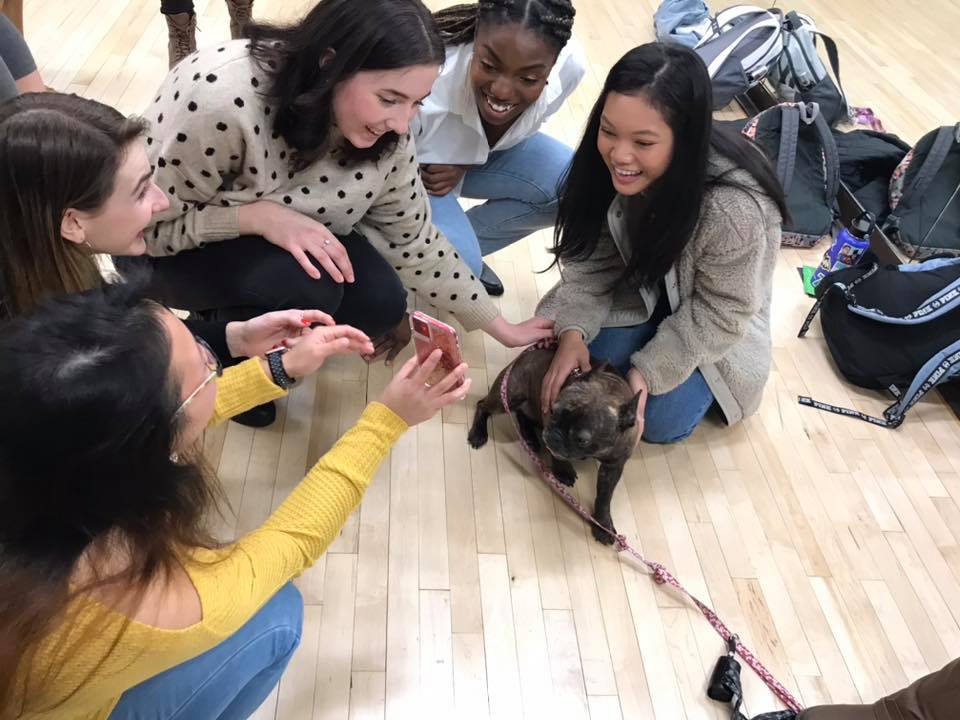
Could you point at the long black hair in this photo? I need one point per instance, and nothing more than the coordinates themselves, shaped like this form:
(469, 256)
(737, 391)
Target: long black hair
(303, 72)
(88, 425)
(551, 19)
(660, 221)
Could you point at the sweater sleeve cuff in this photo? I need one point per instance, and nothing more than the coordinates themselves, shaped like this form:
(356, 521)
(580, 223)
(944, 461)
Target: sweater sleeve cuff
(243, 387)
(392, 425)
(656, 383)
(218, 223)
(481, 313)
(559, 330)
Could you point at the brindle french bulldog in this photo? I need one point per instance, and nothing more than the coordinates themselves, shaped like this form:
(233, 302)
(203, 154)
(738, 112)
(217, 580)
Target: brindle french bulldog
(594, 416)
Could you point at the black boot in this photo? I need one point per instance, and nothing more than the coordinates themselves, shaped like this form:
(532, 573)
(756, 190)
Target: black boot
(490, 281)
(259, 417)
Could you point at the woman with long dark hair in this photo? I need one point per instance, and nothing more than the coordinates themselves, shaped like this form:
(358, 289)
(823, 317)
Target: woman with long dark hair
(510, 65)
(76, 183)
(293, 179)
(667, 236)
(115, 601)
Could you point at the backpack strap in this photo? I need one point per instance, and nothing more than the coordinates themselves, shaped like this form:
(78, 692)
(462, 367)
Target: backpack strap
(834, 57)
(845, 287)
(831, 155)
(942, 144)
(942, 302)
(789, 137)
(941, 367)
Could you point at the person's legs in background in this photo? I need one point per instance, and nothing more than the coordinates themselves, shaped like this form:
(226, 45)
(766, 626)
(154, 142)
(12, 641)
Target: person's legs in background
(229, 681)
(181, 29)
(520, 186)
(240, 16)
(182, 25)
(18, 70)
(13, 9)
(8, 86)
(451, 219)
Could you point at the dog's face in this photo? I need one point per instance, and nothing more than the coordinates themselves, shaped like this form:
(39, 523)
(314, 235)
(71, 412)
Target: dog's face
(592, 416)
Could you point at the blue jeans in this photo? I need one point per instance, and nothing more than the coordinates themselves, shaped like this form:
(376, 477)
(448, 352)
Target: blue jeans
(520, 187)
(670, 417)
(229, 681)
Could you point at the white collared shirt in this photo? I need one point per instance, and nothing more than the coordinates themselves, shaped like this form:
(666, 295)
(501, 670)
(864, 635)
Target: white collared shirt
(448, 129)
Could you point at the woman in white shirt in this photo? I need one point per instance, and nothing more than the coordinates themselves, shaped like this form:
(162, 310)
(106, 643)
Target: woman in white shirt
(509, 67)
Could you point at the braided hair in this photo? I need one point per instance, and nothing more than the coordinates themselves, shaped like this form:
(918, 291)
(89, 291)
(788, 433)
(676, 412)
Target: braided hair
(552, 19)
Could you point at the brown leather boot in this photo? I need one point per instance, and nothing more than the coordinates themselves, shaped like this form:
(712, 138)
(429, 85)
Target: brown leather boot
(182, 29)
(240, 16)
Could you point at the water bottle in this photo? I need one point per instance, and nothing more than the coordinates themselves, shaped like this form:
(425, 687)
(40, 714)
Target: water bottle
(846, 248)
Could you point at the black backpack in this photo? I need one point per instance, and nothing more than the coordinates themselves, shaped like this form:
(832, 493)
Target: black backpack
(868, 160)
(800, 145)
(894, 327)
(924, 219)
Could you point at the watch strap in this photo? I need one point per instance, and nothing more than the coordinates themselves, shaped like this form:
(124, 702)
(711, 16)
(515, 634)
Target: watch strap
(277, 372)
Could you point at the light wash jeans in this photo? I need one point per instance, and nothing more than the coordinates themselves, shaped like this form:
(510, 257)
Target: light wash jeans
(670, 417)
(520, 187)
(229, 681)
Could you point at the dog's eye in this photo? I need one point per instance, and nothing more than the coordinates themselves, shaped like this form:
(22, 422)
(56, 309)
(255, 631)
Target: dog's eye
(583, 438)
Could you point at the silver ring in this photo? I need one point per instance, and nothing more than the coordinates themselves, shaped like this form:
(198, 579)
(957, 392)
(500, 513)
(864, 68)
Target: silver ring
(576, 372)
(326, 242)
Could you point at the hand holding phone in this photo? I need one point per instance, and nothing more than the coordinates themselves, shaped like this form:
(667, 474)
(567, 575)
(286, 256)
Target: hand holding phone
(430, 334)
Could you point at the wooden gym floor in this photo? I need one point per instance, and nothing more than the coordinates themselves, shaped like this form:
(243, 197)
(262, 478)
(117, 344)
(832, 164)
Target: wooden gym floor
(463, 589)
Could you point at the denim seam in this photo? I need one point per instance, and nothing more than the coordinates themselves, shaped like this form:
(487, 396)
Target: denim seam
(220, 669)
(503, 173)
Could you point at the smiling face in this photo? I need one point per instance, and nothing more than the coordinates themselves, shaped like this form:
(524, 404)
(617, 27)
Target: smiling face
(116, 228)
(373, 102)
(635, 142)
(509, 71)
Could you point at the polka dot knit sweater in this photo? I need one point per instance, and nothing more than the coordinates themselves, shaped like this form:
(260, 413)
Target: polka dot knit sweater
(214, 148)
(81, 674)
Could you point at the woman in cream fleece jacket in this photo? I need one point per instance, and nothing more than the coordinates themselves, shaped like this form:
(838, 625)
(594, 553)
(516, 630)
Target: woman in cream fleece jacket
(667, 237)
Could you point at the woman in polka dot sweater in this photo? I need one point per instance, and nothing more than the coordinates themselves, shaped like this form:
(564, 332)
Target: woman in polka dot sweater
(293, 179)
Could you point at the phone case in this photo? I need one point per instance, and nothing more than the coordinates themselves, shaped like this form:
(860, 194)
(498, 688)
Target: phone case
(430, 334)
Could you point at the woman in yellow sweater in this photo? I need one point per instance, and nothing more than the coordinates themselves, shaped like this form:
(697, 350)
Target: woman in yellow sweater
(115, 602)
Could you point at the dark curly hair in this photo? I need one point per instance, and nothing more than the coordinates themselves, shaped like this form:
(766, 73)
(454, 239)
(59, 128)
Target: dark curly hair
(552, 19)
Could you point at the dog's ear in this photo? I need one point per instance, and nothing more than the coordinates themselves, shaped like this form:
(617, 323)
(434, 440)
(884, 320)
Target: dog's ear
(628, 412)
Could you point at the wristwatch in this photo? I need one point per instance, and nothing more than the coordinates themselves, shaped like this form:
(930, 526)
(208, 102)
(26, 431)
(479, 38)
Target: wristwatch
(279, 375)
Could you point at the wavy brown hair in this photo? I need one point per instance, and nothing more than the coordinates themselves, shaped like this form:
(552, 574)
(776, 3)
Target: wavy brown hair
(88, 426)
(337, 39)
(56, 152)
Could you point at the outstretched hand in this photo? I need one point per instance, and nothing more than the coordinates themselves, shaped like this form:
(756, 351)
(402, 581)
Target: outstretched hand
(409, 396)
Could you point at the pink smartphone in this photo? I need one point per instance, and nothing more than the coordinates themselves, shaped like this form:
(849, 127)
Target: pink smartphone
(430, 334)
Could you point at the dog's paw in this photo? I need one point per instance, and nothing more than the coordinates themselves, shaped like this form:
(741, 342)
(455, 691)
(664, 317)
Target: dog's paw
(477, 437)
(565, 474)
(602, 536)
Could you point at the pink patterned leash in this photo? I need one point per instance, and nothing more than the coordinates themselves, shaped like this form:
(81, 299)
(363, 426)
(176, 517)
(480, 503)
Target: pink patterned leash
(661, 575)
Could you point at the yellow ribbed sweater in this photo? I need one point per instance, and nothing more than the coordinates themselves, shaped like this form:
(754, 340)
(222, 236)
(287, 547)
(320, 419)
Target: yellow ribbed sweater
(84, 680)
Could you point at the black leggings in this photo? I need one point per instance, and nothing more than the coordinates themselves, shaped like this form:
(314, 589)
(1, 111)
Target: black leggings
(248, 276)
(172, 7)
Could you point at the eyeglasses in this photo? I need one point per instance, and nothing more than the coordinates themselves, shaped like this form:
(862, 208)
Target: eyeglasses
(213, 365)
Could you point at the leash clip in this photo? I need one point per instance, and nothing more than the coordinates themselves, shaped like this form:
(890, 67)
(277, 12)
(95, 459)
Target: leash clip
(732, 642)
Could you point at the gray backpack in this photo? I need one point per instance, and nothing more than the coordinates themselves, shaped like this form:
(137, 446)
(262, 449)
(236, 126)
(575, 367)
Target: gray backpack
(743, 44)
(800, 76)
